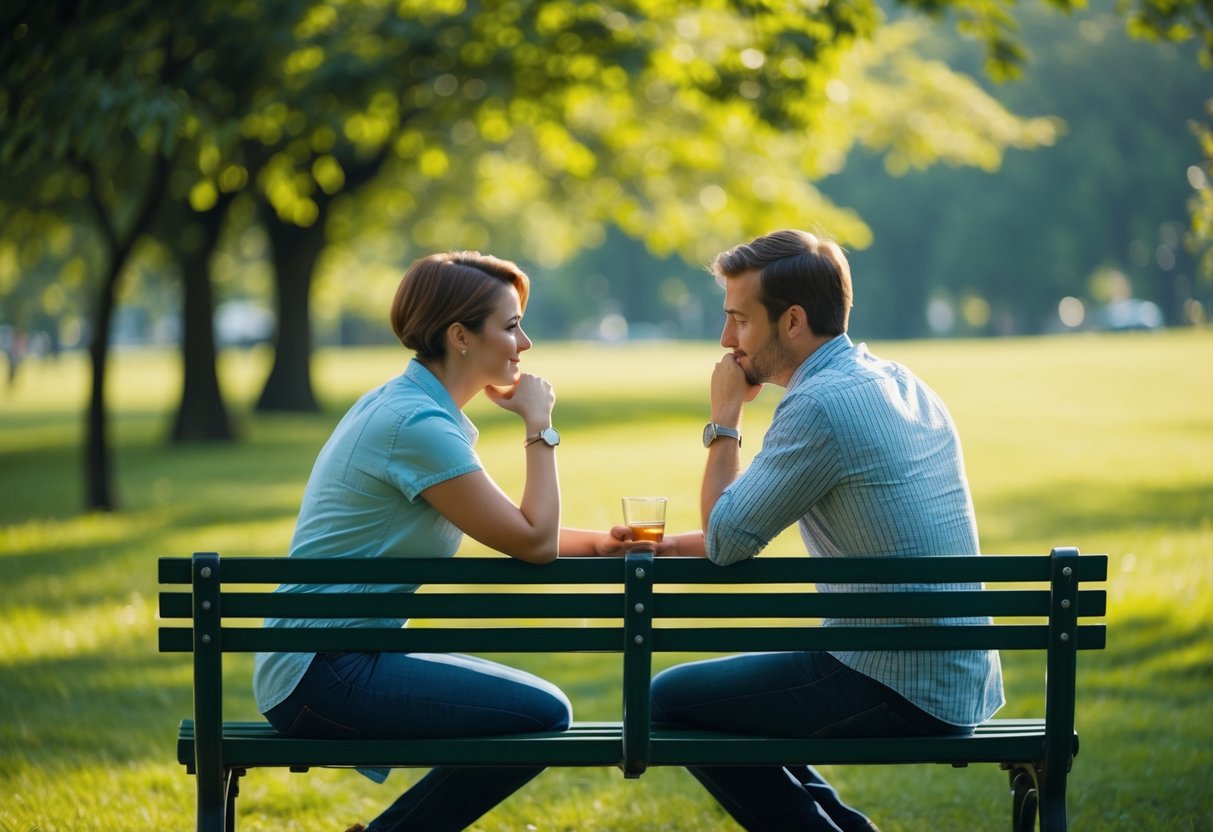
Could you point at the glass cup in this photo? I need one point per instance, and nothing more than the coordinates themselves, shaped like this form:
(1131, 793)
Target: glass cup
(645, 517)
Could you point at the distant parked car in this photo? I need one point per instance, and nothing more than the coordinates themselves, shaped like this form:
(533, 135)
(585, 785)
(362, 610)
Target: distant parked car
(1124, 315)
(241, 323)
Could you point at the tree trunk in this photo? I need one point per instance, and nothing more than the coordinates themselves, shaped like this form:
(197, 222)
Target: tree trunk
(99, 486)
(98, 468)
(294, 252)
(201, 415)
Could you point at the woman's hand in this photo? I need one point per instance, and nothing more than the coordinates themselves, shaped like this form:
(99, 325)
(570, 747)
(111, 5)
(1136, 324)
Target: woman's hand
(531, 397)
(618, 541)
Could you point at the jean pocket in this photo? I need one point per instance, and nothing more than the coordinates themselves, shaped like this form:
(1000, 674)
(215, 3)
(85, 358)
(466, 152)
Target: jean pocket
(311, 725)
(879, 721)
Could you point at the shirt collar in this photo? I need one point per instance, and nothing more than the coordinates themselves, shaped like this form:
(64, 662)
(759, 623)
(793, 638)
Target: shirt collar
(821, 358)
(419, 374)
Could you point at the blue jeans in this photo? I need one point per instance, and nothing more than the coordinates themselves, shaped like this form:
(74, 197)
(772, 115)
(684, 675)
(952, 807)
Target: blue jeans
(418, 695)
(808, 694)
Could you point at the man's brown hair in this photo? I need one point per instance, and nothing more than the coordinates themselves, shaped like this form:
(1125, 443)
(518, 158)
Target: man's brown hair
(796, 268)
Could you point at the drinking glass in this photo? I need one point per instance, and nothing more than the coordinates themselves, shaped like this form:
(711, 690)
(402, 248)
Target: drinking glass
(645, 516)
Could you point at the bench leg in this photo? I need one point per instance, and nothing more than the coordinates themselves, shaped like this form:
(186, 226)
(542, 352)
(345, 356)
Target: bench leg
(212, 802)
(1053, 811)
(233, 791)
(217, 801)
(1023, 800)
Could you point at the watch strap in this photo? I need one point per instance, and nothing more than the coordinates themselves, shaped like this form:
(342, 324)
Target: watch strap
(713, 431)
(542, 436)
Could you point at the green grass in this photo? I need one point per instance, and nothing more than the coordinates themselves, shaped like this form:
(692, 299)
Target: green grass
(1102, 442)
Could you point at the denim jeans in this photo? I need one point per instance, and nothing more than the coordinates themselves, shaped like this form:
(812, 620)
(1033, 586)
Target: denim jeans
(808, 694)
(417, 695)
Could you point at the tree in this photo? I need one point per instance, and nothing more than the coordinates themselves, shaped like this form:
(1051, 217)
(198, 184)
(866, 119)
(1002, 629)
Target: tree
(540, 125)
(684, 125)
(123, 93)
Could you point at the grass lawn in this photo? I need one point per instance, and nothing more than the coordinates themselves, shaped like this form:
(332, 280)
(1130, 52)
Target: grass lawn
(1101, 442)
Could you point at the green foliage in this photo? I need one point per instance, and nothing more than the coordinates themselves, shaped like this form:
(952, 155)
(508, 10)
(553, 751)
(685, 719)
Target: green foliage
(1173, 20)
(1111, 191)
(1200, 204)
(533, 126)
(1103, 442)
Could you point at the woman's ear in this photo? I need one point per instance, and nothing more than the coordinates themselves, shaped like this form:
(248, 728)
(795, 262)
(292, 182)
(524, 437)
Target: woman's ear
(457, 338)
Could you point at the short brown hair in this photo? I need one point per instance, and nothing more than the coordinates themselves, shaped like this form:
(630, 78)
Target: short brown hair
(452, 287)
(796, 268)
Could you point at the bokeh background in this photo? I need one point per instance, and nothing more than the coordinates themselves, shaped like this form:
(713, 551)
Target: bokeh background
(206, 207)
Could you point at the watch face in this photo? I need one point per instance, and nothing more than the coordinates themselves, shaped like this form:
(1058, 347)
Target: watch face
(550, 436)
(712, 430)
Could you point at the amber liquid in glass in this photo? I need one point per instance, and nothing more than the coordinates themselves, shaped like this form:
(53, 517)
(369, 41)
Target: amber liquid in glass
(647, 532)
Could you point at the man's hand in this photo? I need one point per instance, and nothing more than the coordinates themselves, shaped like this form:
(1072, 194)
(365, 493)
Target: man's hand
(730, 391)
(618, 541)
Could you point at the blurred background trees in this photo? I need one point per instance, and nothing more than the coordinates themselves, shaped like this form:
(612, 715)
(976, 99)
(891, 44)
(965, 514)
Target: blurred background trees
(224, 173)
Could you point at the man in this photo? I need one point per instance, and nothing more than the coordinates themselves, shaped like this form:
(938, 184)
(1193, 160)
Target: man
(865, 458)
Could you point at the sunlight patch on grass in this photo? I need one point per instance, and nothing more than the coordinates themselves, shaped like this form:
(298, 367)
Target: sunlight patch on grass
(31, 634)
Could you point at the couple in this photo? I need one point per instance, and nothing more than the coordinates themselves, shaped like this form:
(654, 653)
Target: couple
(860, 453)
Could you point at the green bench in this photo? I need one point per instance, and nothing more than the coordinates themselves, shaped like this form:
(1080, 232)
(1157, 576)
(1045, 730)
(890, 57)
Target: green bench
(635, 607)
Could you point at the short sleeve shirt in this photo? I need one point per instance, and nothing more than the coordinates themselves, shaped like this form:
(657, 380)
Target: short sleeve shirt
(363, 499)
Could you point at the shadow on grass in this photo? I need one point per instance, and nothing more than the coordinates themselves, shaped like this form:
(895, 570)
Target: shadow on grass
(1072, 511)
(118, 705)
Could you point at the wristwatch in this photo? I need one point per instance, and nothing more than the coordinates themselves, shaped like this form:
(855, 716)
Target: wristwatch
(548, 436)
(712, 430)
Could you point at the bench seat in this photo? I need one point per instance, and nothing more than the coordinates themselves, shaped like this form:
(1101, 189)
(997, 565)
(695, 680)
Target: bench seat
(258, 744)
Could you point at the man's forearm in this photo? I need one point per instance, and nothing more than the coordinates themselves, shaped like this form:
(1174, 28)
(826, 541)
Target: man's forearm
(723, 466)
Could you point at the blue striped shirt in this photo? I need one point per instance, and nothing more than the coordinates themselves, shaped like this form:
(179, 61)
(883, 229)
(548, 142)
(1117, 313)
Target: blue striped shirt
(865, 457)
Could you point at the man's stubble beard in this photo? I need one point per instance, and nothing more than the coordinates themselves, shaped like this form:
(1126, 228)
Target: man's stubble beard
(767, 361)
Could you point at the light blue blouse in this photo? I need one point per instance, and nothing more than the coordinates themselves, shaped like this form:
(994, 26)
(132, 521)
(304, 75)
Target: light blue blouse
(363, 500)
(866, 459)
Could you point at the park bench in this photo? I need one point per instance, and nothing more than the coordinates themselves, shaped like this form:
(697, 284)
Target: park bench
(634, 607)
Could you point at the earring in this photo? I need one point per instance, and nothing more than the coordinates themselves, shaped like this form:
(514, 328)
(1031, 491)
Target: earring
(463, 353)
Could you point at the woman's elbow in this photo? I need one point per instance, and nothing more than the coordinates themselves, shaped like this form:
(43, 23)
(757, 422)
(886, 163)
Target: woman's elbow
(537, 549)
(539, 556)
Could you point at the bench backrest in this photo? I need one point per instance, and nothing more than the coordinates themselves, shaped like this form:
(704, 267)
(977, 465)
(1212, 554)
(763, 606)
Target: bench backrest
(636, 606)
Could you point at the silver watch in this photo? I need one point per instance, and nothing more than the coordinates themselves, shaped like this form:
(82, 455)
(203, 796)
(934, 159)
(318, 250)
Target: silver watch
(548, 436)
(712, 431)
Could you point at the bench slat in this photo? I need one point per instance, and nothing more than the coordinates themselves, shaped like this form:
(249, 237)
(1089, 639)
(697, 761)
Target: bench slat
(403, 570)
(258, 744)
(866, 604)
(610, 639)
(402, 605)
(744, 639)
(771, 569)
(407, 640)
(471, 605)
(997, 746)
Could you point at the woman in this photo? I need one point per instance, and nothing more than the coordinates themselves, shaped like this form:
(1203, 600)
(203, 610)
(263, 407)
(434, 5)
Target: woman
(399, 477)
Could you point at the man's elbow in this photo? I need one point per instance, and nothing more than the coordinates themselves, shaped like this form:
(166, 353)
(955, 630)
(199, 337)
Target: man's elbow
(724, 555)
(727, 549)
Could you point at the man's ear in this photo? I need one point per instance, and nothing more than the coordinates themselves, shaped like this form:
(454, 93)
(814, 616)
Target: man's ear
(795, 322)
